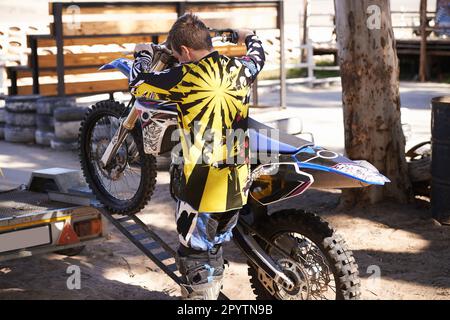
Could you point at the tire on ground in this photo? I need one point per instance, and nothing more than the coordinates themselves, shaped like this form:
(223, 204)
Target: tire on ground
(47, 105)
(21, 103)
(45, 122)
(19, 134)
(64, 145)
(70, 114)
(67, 130)
(333, 250)
(21, 118)
(44, 137)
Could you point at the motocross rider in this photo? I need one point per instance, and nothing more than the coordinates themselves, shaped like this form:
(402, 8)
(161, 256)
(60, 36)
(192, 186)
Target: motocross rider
(212, 93)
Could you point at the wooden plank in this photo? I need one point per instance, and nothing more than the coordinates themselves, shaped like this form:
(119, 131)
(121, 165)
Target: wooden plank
(52, 73)
(78, 88)
(162, 38)
(102, 9)
(98, 59)
(248, 15)
(116, 27)
(82, 59)
(408, 52)
(48, 43)
(233, 51)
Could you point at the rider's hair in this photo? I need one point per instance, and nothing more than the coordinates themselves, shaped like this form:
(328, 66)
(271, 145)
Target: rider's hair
(191, 32)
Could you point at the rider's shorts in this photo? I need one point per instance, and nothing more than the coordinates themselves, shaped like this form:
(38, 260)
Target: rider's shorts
(201, 230)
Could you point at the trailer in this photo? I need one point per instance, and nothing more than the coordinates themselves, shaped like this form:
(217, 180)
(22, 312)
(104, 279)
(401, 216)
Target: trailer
(52, 213)
(57, 212)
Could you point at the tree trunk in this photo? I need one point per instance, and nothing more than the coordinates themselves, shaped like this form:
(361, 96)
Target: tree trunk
(371, 98)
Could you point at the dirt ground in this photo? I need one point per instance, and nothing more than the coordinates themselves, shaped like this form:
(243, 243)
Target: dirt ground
(410, 249)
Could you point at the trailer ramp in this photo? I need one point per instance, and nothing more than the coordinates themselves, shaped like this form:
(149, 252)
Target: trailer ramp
(147, 241)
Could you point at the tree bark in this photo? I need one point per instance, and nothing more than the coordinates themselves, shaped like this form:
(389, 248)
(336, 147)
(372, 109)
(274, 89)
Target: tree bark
(371, 99)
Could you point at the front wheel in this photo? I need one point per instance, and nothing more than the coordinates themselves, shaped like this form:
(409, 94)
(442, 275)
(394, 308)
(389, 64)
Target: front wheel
(126, 184)
(319, 262)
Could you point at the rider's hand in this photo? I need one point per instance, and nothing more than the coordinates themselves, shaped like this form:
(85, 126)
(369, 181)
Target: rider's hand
(144, 47)
(243, 34)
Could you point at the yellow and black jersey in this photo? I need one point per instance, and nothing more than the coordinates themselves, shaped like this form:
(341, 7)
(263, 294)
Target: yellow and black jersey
(212, 97)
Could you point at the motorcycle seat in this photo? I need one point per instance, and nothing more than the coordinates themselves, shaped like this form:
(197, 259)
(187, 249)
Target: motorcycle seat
(267, 139)
(262, 138)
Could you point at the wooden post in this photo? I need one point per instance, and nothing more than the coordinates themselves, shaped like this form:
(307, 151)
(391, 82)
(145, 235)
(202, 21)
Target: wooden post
(423, 41)
(57, 16)
(282, 55)
(305, 29)
(34, 63)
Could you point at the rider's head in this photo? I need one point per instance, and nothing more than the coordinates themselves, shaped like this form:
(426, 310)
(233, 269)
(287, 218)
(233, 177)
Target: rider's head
(189, 38)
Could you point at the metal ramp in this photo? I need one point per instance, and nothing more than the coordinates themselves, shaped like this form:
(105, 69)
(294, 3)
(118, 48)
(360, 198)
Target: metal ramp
(148, 242)
(53, 190)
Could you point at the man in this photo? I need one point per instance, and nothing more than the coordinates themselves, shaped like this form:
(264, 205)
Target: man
(211, 92)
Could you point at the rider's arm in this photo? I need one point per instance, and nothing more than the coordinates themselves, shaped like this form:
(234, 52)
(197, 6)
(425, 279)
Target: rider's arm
(255, 57)
(143, 82)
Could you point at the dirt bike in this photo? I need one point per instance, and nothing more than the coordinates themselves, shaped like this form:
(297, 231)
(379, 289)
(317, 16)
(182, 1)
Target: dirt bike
(292, 254)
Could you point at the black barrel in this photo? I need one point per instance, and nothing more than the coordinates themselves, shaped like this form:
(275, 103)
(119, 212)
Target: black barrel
(440, 163)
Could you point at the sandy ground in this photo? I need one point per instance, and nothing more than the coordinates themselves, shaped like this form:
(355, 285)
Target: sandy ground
(408, 248)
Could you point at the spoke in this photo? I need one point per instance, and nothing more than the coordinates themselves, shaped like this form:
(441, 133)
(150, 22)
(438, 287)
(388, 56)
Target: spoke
(309, 259)
(127, 184)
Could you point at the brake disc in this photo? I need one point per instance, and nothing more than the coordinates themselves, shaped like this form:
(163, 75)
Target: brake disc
(295, 272)
(118, 164)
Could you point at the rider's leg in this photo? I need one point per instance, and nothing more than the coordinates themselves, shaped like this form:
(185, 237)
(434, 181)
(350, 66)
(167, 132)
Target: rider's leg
(199, 256)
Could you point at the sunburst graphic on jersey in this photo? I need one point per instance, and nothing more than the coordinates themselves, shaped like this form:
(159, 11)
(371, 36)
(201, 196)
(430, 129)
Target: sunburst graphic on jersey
(212, 100)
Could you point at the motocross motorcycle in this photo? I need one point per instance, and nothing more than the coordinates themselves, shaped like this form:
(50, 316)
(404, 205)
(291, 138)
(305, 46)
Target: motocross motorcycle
(292, 254)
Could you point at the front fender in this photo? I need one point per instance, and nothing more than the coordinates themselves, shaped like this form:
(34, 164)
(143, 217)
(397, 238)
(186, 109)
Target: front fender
(122, 64)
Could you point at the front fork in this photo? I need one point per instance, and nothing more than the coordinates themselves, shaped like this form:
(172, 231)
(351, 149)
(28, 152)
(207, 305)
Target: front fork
(119, 137)
(125, 127)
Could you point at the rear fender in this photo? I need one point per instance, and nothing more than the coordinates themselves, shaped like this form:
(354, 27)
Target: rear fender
(317, 160)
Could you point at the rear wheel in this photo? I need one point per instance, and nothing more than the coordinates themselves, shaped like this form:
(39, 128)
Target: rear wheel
(127, 183)
(319, 262)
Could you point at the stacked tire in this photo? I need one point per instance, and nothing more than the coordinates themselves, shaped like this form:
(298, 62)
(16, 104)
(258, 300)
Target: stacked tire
(20, 118)
(45, 122)
(67, 126)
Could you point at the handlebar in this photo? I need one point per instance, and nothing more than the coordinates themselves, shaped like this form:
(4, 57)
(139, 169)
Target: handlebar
(225, 35)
